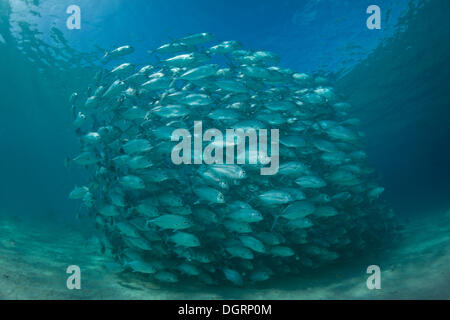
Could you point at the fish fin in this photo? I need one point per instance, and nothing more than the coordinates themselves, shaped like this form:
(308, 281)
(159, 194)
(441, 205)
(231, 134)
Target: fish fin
(105, 59)
(73, 109)
(103, 248)
(252, 199)
(230, 63)
(78, 215)
(275, 220)
(67, 162)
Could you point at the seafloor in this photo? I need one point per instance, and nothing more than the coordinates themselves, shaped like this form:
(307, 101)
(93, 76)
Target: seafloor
(34, 258)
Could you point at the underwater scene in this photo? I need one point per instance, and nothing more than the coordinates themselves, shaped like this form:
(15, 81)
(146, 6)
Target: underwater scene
(174, 149)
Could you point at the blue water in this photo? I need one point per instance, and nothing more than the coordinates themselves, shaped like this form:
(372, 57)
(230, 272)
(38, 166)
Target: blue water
(396, 78)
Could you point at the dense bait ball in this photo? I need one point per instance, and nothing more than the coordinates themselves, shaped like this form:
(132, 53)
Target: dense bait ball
(223, 222)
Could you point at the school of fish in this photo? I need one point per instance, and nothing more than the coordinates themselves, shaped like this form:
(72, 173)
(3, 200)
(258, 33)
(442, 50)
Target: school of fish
(223, 223)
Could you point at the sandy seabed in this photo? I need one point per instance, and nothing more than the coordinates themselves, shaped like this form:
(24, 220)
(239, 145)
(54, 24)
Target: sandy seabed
(34, 259)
